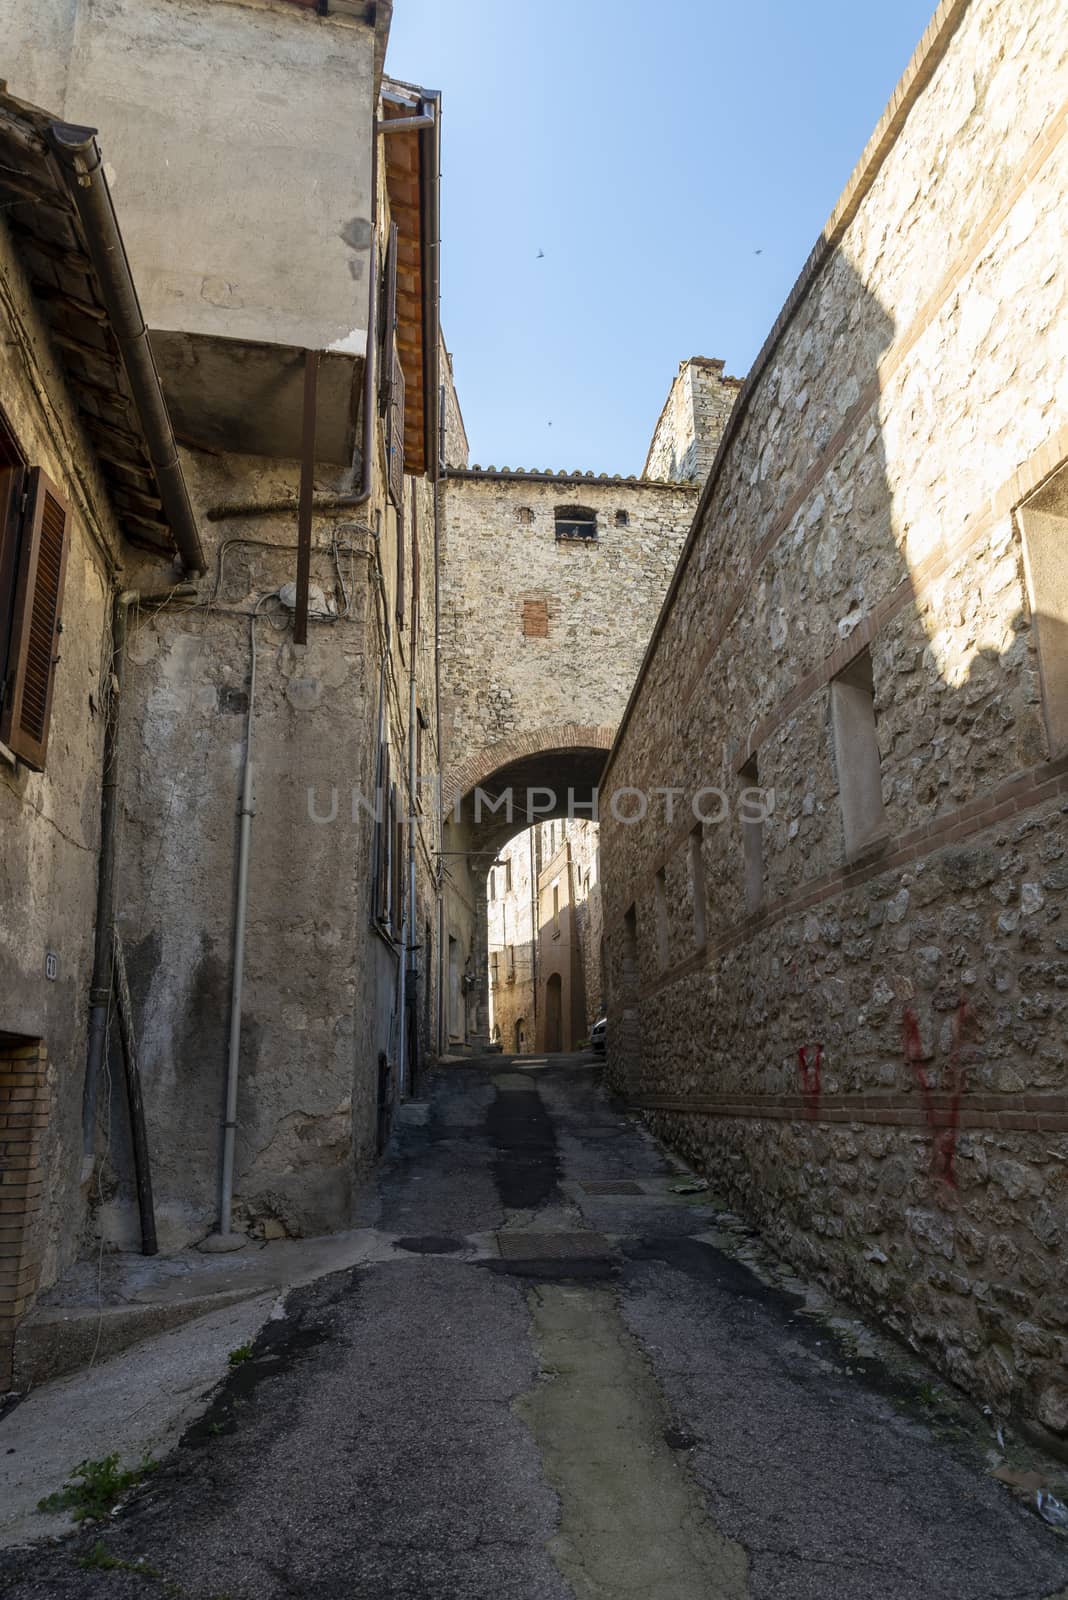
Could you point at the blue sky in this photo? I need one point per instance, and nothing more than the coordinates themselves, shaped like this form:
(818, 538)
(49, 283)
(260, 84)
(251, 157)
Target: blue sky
(650, 150)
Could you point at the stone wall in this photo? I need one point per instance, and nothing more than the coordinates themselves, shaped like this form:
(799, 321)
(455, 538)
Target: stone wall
(320, 966)
(541, 637)
(690, 426)
(455, 432)
(853, 600)
(583, 838)
(188, 95)
(538, 632)
(50, 820)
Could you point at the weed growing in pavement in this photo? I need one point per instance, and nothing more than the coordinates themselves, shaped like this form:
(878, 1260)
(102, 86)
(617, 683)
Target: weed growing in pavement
(95, 1487)
(100, 1559)
(241, 1354)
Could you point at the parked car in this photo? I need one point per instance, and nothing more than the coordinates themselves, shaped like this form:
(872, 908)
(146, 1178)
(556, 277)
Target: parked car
(597, 1033)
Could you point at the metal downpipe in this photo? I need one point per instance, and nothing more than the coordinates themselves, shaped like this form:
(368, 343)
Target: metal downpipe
(225, 1239)
(100, 986)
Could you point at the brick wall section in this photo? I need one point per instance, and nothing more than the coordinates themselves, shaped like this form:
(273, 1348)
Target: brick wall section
(23, 1119)
(864, 497)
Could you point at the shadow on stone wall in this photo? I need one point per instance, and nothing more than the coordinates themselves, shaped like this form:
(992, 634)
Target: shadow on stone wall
(956, 902)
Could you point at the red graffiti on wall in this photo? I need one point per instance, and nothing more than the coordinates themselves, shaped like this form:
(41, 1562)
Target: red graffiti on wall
(809, 1072)
(942, 1120)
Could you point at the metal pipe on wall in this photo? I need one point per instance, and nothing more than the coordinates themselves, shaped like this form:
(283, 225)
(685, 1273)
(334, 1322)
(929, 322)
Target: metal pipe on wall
(224, 1238)
(409, 1014)
(100, 984)
(307, 491)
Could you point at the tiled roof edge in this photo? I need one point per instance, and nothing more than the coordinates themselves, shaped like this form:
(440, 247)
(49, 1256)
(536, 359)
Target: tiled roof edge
(548, 475)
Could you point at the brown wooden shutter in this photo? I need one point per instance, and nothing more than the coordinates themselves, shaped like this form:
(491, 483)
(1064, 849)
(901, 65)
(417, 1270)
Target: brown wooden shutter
(395, 434)
(391, 391)
(33, 653)
(389, 322)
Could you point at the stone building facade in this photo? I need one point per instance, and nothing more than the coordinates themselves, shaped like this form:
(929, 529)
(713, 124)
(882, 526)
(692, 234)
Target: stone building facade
(550, 587)
(303, 390)
(690, 426)
(75, 474)
(852, 1012)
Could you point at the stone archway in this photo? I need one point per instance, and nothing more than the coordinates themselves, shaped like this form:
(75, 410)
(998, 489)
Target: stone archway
(485, 803)
(521, 749)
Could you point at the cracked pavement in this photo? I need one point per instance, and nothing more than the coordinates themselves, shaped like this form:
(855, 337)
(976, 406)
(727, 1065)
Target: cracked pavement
(614, 1400)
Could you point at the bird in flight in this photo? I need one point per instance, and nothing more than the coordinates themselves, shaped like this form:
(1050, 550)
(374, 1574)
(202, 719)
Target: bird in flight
(539, 255)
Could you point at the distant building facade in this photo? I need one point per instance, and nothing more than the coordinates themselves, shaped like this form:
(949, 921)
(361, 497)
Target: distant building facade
(544, 933)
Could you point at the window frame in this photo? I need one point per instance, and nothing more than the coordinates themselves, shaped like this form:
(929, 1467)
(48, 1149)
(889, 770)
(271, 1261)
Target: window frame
(35, 533)
(568, 520)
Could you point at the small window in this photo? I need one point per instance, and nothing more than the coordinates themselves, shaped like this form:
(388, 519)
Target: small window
(751, 816)
(1044, 520)
(556, 910)
(662, 951)
(508, 875)
(629, 964)
(856, 754)
(622, 519)
(494, 968)
(524, 515)
(576, 522)
(511, 963)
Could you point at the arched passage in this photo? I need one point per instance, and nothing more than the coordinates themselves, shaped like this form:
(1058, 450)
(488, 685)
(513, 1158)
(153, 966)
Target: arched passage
(552, 773)
(569, 746)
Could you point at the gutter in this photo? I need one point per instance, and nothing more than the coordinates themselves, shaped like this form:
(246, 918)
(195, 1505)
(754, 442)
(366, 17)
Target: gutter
(82, 165)
(430, 207)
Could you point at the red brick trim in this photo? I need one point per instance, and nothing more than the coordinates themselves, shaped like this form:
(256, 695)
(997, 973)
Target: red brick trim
(23, 1118)
(918, 74)
(1010, 1113)
(483, 764)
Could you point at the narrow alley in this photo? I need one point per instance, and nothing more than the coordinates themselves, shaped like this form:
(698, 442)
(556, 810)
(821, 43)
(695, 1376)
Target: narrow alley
(564, 1371)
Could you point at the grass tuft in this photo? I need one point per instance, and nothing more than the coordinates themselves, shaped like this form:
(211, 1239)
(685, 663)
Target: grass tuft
(95, 1487)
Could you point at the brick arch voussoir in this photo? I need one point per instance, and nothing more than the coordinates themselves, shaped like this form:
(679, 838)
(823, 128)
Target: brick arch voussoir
(484, 763)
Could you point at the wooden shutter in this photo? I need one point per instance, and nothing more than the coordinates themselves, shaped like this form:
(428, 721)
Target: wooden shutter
(395, 434)
(391, 388)
(389, 322)
(383, 838)
(33, 652)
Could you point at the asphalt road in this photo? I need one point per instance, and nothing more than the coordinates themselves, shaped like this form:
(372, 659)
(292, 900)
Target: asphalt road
(567, 1384)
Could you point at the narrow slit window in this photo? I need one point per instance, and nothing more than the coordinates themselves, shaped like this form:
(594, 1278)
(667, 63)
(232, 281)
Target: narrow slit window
(661, 919)
(1044, 520)
(576, 522)
(856, 754)
(751, 816)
